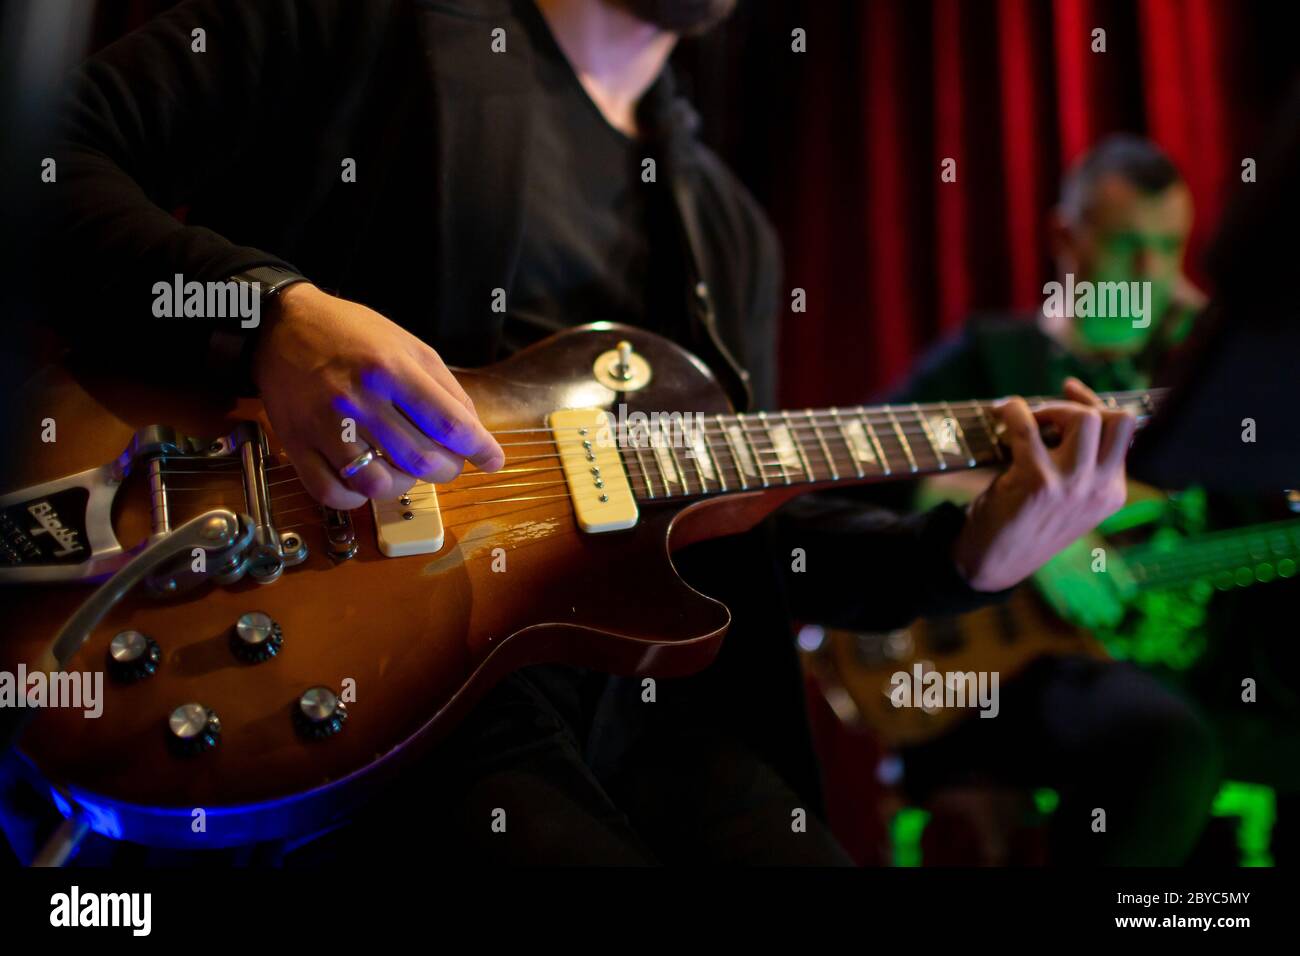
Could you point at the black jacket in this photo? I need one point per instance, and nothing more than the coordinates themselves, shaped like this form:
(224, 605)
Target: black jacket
(247, 142)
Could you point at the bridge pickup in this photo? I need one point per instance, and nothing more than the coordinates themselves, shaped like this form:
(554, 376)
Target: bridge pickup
(593, 468)
(411, 524)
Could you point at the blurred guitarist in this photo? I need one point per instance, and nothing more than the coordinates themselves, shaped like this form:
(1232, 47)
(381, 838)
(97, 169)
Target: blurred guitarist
(1105, 734)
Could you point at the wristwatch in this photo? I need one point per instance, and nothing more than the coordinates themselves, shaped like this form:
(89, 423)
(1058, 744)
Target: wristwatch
(270, 280)
(229, 351)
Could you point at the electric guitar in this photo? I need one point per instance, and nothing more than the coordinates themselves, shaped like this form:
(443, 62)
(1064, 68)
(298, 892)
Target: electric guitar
(1146, 603)
(271, 662)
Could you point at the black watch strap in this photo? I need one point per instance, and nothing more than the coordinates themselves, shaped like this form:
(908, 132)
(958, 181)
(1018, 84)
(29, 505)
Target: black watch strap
(230, 351)
(270, 280)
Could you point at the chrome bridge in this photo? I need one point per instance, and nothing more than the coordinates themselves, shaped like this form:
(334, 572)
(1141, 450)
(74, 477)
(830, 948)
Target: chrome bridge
(62, 530)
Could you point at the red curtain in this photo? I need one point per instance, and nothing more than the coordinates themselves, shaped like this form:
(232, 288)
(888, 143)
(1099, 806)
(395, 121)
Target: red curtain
(892, 257)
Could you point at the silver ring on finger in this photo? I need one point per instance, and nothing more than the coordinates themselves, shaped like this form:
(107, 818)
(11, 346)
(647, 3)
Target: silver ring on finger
(356, 464)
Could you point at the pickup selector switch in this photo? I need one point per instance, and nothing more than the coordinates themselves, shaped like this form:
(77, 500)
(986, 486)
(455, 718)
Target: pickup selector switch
(256, 637)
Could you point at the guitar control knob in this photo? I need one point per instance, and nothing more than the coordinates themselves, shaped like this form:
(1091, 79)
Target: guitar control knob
(256, 637)
(193, 729)
(132, 656)
(320, 713)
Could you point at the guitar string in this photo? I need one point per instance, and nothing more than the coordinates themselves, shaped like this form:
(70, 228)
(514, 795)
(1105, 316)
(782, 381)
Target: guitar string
(522, 498)
(758, 442)
(629, 456)
(762, 444)
(628, 453)
(803, 420)
(887, 417)
(761, 441)
(800, 420)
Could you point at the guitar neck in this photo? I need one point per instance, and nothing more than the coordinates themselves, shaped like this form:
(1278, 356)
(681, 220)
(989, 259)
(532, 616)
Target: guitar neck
(1236, 557)
(683, 455)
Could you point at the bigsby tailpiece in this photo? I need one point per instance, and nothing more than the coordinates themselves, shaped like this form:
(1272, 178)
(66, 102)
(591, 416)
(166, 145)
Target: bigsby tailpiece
(62, 530)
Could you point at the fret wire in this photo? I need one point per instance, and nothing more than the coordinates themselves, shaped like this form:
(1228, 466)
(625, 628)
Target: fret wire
(821, 440)
(875, 442)
(735, 457)
(902, 439)
(798, 447)
(693, 454)
(993, 436)
(744, 433)
(839, 425)
(780, 460)
(976, 433)
(961, 434)
(659, 464)
(929, 437)
(708, 447)
(677, 465)
(636, 450)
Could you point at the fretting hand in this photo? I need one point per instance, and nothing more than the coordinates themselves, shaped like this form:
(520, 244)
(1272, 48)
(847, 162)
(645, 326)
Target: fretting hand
(1048, 497)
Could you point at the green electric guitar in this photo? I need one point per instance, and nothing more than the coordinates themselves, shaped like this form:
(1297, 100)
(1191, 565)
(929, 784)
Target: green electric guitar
(1136, 589)
(1146, 601)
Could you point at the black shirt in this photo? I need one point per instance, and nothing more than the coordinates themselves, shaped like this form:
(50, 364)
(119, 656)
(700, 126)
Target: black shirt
(596, 243)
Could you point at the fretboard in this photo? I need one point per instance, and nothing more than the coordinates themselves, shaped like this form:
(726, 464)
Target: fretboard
(1235, 557)
(691, 455)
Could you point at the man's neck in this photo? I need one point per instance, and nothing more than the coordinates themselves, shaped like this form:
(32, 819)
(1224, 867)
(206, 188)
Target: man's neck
(615, 55)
